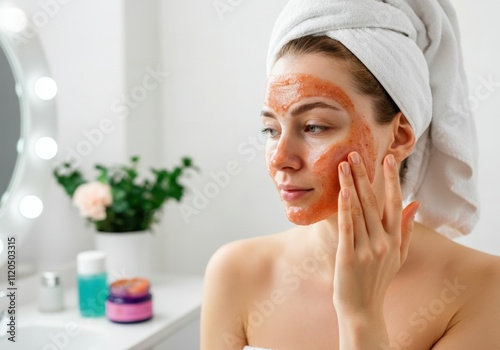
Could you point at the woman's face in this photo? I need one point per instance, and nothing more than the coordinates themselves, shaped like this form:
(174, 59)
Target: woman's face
(314, 119)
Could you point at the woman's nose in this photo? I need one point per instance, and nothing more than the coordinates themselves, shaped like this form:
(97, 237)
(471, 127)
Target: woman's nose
(285, 155)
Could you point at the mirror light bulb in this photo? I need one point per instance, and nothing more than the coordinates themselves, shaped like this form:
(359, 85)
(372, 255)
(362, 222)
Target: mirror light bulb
(19, 90)
(45, 88)
(20, 146)
(46, 148)
(31, 207)
(14, 19)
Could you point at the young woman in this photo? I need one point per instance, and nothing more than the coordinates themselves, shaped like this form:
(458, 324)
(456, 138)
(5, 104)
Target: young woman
(359, 272)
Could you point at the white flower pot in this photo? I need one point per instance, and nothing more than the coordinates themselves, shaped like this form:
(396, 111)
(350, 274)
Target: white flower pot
(127, 253)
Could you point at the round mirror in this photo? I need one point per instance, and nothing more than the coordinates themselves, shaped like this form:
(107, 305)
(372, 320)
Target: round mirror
(10, 123)
(27, 138)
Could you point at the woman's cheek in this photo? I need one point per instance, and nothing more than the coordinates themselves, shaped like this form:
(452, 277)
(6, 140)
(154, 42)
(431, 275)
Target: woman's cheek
(270, 169)
(364, 143)
(325, 169)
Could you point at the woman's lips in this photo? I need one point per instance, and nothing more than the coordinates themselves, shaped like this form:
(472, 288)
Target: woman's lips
(291, 193)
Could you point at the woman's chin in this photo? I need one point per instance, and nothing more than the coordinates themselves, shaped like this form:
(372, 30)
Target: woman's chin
(304, 217)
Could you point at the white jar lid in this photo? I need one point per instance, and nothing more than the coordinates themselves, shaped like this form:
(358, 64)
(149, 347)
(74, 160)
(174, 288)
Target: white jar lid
(50, 279)
(91, 262)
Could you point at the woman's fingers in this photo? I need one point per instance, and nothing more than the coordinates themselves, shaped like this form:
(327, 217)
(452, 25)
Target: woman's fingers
(346, 234)
(407, 223)
(359, 214)
(371, 248)
(367, 199)
(393, 197)
(397, 222)
(356, 214)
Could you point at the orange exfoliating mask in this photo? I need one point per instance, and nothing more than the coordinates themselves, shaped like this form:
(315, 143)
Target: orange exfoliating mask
(284, 91)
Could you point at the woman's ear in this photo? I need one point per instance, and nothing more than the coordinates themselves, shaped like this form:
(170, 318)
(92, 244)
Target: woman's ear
(403, 138)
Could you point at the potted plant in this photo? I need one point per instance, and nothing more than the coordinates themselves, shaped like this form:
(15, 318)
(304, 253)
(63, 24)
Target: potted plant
(120, 204)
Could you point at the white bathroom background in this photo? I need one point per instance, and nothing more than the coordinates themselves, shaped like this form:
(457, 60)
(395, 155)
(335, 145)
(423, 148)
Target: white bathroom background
(206, 60)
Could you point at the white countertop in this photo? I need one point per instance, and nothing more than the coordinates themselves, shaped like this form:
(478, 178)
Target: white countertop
(176, 303)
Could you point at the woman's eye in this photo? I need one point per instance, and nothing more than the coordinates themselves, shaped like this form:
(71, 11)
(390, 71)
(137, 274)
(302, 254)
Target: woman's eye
(315, 129)
(270, 132)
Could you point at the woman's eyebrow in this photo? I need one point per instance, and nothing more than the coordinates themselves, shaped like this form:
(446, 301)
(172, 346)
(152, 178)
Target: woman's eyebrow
(302, 109)
(309, 106)
(267, 114)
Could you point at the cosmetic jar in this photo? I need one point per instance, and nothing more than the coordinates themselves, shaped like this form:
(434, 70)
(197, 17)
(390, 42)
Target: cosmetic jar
(129, 301)
(50, 293)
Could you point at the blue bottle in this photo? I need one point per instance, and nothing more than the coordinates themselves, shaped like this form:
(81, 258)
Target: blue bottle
(92, 285)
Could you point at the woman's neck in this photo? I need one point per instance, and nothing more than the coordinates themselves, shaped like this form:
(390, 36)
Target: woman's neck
(323, 242)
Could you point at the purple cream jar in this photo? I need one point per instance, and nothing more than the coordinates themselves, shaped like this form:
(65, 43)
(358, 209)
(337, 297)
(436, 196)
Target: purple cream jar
(129, 301)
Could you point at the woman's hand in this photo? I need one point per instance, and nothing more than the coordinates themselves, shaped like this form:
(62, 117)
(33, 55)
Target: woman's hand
(370, 251)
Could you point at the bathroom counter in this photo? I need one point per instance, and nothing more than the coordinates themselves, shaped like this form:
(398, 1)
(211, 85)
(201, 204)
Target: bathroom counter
(176, 303)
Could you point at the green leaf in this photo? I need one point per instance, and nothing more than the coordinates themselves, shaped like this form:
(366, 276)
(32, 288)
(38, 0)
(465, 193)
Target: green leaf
(103, 174)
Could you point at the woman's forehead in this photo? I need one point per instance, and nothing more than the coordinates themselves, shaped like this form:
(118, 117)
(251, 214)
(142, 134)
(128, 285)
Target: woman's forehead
(285, 90)
(317, 65)
(321, 76)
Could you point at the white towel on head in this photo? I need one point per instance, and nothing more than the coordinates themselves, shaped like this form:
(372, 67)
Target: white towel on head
(413, 48)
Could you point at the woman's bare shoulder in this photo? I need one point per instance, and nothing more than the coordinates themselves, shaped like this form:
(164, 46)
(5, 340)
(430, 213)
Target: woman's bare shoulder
(480, 270)
(436, 249)
(247, 260)
(232, 276)
(474, 277)
(442, 262)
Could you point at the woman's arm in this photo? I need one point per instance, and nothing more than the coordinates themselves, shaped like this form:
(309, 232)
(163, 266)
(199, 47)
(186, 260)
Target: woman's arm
(370, 252)
(221, 322)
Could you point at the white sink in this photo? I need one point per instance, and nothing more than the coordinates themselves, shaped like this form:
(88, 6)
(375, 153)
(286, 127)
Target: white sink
(67, 337)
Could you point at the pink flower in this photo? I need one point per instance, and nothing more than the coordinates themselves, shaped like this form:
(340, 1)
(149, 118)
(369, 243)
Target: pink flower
(92, 199)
